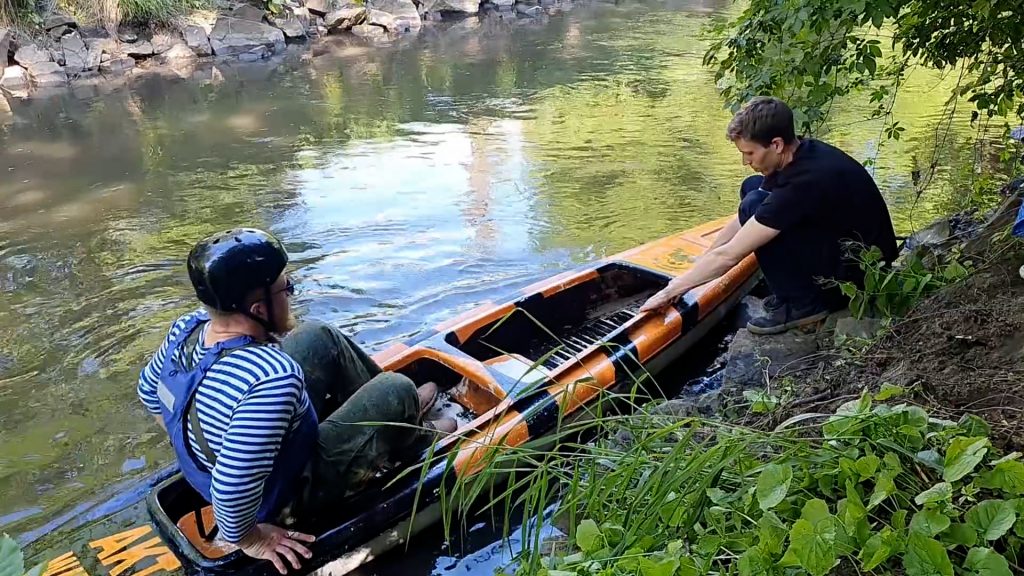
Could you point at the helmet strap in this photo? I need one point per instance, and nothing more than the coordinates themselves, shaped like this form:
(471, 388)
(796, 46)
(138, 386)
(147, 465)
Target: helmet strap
(268, 322)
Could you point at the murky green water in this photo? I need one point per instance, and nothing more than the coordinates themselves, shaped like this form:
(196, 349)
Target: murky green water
(409, 182)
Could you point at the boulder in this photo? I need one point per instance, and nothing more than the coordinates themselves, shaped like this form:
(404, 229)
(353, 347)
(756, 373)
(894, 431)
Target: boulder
(463, 6)
(59, 32)
(56, 55)
(302, 14)
(164, 42)
(179, 58)
(291, 27)
(407, 17)
(751, 358)
(47, 74)
(529, 11)
(319, 7)
(382, 20)
(257, 53)
(345, 17)
(30, 54)
(5, 44)
(248, 12)
(118, 64)
(76, 54)
(232, 37)
(197, 39)
(142, 49)
(370, 32)
(58, 20)
(14, 78)
(98, 47)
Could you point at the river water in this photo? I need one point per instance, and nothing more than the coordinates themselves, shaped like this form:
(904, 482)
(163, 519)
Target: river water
(409, 183)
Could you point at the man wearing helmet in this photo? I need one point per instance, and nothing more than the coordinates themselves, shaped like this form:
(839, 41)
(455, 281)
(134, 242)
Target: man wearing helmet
(261, 426)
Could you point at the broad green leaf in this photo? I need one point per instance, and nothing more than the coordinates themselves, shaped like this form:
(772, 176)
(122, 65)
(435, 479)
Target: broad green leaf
(960, 535)
(899, 520)
(718, 496)
(974, 425)
(674, 548)
(773, 484)
(771, 533)
(929, 522)
(761, 402)
(876, 550)
(992, 518)
(867, 466)
(938, 493)
(589, 537)
(755, 562)
(813, 538)
(663, 567)
(1007, 476)
(884, 488)
(987, 562)
(962, 456)
(931, 459)
(688, 567)
(12, 562)
(889, 391)
(926, 557)
(854, 510)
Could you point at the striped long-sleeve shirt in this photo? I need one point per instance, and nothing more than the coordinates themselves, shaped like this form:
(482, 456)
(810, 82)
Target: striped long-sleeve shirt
(246, 403)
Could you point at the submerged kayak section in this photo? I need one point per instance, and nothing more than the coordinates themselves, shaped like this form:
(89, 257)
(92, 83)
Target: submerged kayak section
(511, 371)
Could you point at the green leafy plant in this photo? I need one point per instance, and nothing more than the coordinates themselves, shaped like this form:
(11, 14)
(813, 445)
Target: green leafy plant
(12, 561)
(274, 6)
(874, 488)
(890, 291)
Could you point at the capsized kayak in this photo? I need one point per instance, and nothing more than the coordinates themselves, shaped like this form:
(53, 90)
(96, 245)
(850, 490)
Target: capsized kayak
(511, 370)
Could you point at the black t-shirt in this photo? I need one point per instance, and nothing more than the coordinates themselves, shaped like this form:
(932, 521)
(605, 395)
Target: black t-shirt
(827, 193)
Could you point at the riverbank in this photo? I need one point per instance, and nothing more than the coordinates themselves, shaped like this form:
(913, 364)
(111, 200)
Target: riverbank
(860, 446)
(61, 52)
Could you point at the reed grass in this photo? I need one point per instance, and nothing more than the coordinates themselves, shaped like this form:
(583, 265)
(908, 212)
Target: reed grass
(108, 13)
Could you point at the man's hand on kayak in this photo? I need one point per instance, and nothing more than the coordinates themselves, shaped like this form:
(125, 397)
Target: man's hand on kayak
(269, 542)
(665, 297)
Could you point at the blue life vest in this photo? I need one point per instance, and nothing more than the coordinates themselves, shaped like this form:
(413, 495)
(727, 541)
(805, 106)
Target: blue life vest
(179, 380)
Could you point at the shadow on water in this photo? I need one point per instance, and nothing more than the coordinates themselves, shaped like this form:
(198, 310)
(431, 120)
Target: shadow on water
(410, 183)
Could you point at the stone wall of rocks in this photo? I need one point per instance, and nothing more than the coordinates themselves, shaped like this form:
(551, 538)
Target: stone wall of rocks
(63, 52)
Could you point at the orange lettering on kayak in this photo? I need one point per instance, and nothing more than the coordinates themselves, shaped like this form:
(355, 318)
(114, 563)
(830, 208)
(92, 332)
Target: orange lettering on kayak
(65, 565)
(114, 555)
(113, 544)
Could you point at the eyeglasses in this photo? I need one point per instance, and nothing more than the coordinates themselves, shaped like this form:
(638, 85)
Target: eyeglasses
(289, 287)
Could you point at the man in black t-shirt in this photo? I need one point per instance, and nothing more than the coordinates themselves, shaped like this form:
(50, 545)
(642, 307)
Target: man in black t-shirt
(809, 207)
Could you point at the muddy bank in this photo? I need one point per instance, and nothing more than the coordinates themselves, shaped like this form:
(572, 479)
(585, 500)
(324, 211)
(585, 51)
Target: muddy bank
(61, 53)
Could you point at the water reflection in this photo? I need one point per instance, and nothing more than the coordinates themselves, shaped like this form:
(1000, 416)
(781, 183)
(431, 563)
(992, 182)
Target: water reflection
(410, 182)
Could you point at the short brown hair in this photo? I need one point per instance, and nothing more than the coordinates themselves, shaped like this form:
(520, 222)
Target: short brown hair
(762, 120)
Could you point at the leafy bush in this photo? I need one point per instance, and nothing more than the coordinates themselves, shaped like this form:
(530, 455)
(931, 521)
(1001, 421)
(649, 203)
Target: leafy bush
(811, 51)
(874, 489)
(891, 291)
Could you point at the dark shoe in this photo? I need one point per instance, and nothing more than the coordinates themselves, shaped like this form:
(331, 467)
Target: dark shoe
(771, 303)
(428, 397)
(786, 318)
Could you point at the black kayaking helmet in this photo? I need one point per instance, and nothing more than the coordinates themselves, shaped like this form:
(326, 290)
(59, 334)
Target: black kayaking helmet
(227, 267)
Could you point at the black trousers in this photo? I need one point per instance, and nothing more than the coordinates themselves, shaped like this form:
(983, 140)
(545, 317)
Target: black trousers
(797, 263)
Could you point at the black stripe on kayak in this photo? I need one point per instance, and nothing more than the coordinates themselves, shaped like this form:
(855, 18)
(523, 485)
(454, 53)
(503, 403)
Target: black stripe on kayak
(689, 308)
(539, 410)
(622, 353)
